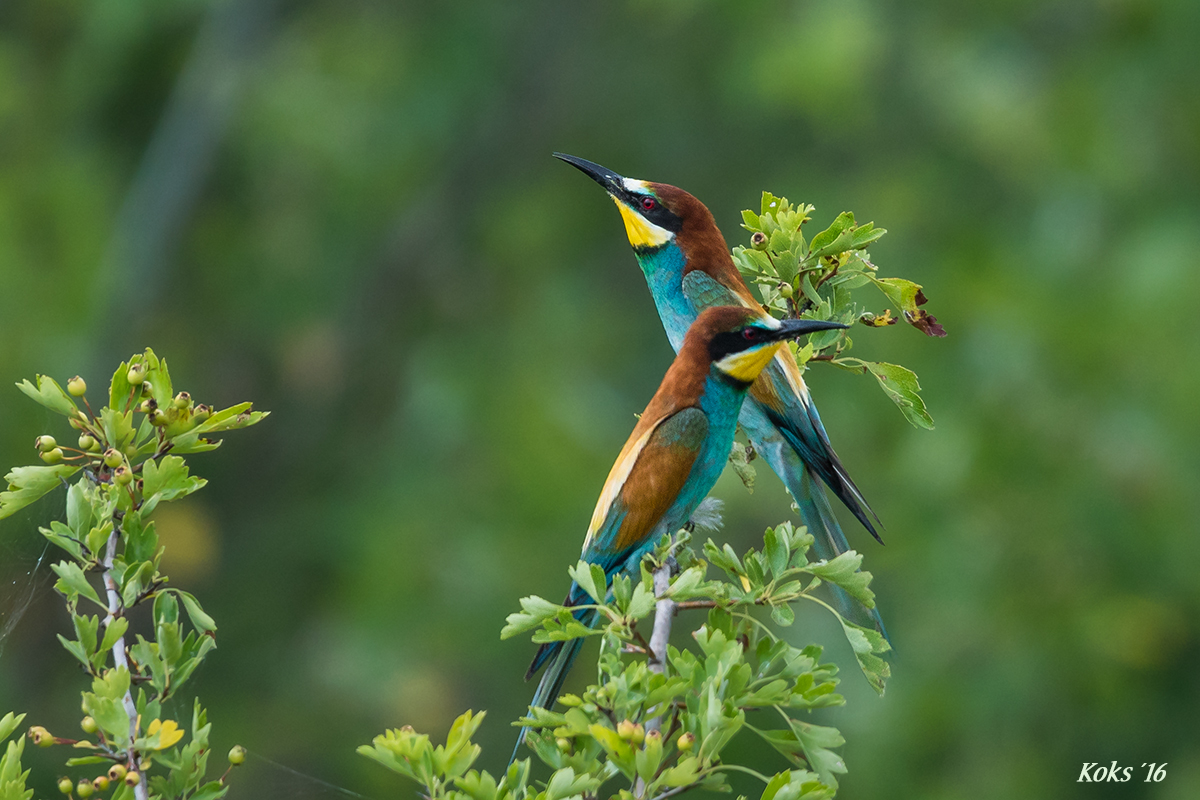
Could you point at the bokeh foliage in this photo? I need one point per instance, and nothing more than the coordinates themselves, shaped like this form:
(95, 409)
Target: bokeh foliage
(348, 212)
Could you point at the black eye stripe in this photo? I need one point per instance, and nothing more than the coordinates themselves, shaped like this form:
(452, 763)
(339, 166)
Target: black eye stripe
(729, 342)
(658, 213)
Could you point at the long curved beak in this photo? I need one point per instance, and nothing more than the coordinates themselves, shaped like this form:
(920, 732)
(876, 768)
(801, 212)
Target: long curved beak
(613, 183)
(794, 328)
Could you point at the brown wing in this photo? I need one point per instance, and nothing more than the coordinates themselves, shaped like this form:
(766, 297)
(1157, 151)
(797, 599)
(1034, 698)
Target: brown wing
(662, 464)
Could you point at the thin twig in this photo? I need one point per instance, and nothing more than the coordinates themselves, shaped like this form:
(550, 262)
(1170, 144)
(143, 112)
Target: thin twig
(664, 612)
(675, 791)
(119, 656)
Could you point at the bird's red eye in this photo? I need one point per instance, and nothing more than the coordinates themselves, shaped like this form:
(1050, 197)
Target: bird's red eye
(648, 203)
(749, 333)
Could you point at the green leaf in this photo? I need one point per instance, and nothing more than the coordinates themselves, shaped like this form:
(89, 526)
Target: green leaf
(641, 603)
(169, 479)
(9, 723)
(901, 386)
(119, 388)
(160, 379)
(73, 583)
(776, 548)
(48, 393)
(815, 741)
(844, 571)
(115, 630)
(234, 417)
(61, 536)
(867, 644)
(902, 293)
(97, 537)
(591, 579)
(79, 509)
(86, 631)
(689, 584)
(118, 427)
(783, 614)
(563, 627)
(12, 777)
(826, 241)
(110, 715)
(203, 622)
(534, 610)
(28, 484)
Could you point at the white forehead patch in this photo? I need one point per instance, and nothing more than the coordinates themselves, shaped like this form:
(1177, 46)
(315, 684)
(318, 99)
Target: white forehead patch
(634, 185)
(770, 322)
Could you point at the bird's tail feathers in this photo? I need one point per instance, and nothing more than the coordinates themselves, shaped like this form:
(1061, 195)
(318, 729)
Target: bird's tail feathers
(829, 542)
(831, 471)
(558, 657)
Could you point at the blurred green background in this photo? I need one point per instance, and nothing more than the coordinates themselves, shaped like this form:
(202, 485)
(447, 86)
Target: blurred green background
(348, 213)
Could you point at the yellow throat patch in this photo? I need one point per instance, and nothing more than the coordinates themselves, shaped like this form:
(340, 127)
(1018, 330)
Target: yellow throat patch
(746, 365)
(641, 233)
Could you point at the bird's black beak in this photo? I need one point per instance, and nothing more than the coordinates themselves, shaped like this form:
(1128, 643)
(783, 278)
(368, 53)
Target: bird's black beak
(613, 183)
(793, 328)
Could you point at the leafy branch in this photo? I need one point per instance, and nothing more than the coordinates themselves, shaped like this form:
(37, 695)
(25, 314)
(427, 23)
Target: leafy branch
(663, 726)
(818, 278)
(129, 461)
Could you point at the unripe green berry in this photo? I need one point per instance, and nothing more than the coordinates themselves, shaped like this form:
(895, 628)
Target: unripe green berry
(40, 736)
(625, 729)
(45, 442)
(147, 389)
(786, 291)
(759, 241)
(685, 742)
(183, 400)
(158, 418)
(84, 788)
(147, 406)
(116, 772)
(122, 476)
(201, 413)
(133, 778)
(652, 735)
(53, 456)
(77, 386)
(112, 458)
(87, 442)
(563, 744)
(131, 450)
(639, 734)
(237, 756)
(136, 374)
(65, 786)
(77, 423)
(89, 725)
(101, 783)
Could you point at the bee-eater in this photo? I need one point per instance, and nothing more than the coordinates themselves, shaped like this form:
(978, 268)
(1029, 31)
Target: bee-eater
(688, 267)
(673, 457)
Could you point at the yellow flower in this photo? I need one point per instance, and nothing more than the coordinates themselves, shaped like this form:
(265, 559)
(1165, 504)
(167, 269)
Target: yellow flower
(168, 732)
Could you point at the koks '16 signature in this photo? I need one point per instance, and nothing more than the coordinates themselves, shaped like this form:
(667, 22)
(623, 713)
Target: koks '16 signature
(1094, 773)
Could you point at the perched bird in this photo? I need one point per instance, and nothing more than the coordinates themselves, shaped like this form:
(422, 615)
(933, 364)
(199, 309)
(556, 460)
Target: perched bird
(688, 267)
(673, 457)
